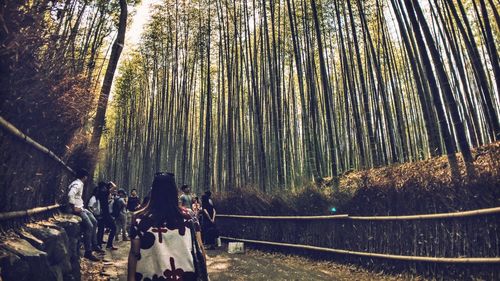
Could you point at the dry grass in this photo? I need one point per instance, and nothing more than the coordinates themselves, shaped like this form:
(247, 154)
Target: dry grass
(429, 186)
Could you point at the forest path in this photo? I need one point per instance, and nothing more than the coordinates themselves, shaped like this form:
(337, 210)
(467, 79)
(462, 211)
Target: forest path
(253, 265)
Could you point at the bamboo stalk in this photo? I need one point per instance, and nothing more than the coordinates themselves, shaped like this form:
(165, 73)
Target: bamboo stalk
(478, 212)
(9, 127)
(375, 255)
(29, 212)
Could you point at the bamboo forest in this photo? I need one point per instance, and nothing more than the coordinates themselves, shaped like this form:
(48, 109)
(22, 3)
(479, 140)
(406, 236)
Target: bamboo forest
(275, 93)
(233, 140)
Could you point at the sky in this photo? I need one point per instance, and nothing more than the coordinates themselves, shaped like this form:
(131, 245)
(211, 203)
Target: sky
(140, 18)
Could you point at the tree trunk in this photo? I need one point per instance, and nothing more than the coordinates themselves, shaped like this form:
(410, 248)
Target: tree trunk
(102, 103)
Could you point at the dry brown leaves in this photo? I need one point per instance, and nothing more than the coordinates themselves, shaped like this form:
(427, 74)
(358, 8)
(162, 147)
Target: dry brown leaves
(335, 271)
(91, 271)
(433, 185)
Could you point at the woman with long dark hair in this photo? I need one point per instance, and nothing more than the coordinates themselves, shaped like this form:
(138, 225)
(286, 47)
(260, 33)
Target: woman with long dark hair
(208, 227)
(165, 238)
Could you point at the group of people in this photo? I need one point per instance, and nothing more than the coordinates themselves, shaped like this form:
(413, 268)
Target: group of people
(205, 212)
(167, 231)
(109, 209)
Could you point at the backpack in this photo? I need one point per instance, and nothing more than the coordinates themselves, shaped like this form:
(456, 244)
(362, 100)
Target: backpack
(116, 207)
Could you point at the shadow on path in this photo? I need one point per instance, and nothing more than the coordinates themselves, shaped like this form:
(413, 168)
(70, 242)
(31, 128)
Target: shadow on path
(253, 266)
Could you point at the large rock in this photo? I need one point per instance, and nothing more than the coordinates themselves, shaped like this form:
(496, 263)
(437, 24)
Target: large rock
(71, 224)
(21, 261)
(45, 250)
(55, 244)
(9, 260)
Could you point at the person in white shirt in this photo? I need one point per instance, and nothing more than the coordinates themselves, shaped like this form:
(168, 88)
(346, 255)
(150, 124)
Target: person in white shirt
(94, 204)
(89, 222)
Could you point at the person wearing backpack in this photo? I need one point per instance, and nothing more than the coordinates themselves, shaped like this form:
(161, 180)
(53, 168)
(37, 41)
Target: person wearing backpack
(120, 215)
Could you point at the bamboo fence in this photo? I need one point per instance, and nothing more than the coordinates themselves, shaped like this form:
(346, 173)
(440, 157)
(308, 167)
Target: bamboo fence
(40, 180)
(470, 238)
(26, 213)
(375, 255)
(486, 211)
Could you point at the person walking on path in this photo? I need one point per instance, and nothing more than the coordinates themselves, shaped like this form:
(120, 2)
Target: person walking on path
(107, 221)
(186, 198)
(75, 193)
(165, 238)
(120, 214)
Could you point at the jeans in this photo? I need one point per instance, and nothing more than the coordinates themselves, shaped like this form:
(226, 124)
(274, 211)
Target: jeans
(106, 221)
(90, 234)
(129, 221)
(121, 222)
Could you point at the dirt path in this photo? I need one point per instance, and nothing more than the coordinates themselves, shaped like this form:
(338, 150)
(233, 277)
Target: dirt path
(253, 265)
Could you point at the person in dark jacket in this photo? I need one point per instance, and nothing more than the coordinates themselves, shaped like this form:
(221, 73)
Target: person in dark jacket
(209, 230)
(133, 202)
(133, 205)
(106, 221)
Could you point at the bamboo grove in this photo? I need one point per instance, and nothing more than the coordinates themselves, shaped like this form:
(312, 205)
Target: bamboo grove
(274, 94)
(78, 34)
(53, 57)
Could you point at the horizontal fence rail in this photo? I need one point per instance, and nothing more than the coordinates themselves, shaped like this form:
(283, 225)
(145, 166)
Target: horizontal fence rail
(456, 237)
(26, 213)
(365, 254)
(10, 128)
(327, 217)
(368, 218)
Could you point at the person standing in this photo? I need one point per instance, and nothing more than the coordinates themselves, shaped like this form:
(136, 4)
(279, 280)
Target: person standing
(209, 230)
(95, 207)
(196, 206)
(75, 193)
(166, 242)
(120, 215)
(105, 190)
(186, 199)
(133, 204)
(134, 201)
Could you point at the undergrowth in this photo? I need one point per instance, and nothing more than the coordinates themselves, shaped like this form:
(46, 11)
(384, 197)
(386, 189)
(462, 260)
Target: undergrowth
(430, 186)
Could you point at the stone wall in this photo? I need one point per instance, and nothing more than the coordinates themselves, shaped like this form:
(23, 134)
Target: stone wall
(45, 250)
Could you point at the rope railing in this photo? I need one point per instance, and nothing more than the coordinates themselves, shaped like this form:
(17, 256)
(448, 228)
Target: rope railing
(373, 255)
(478, 212)
(10, 128)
